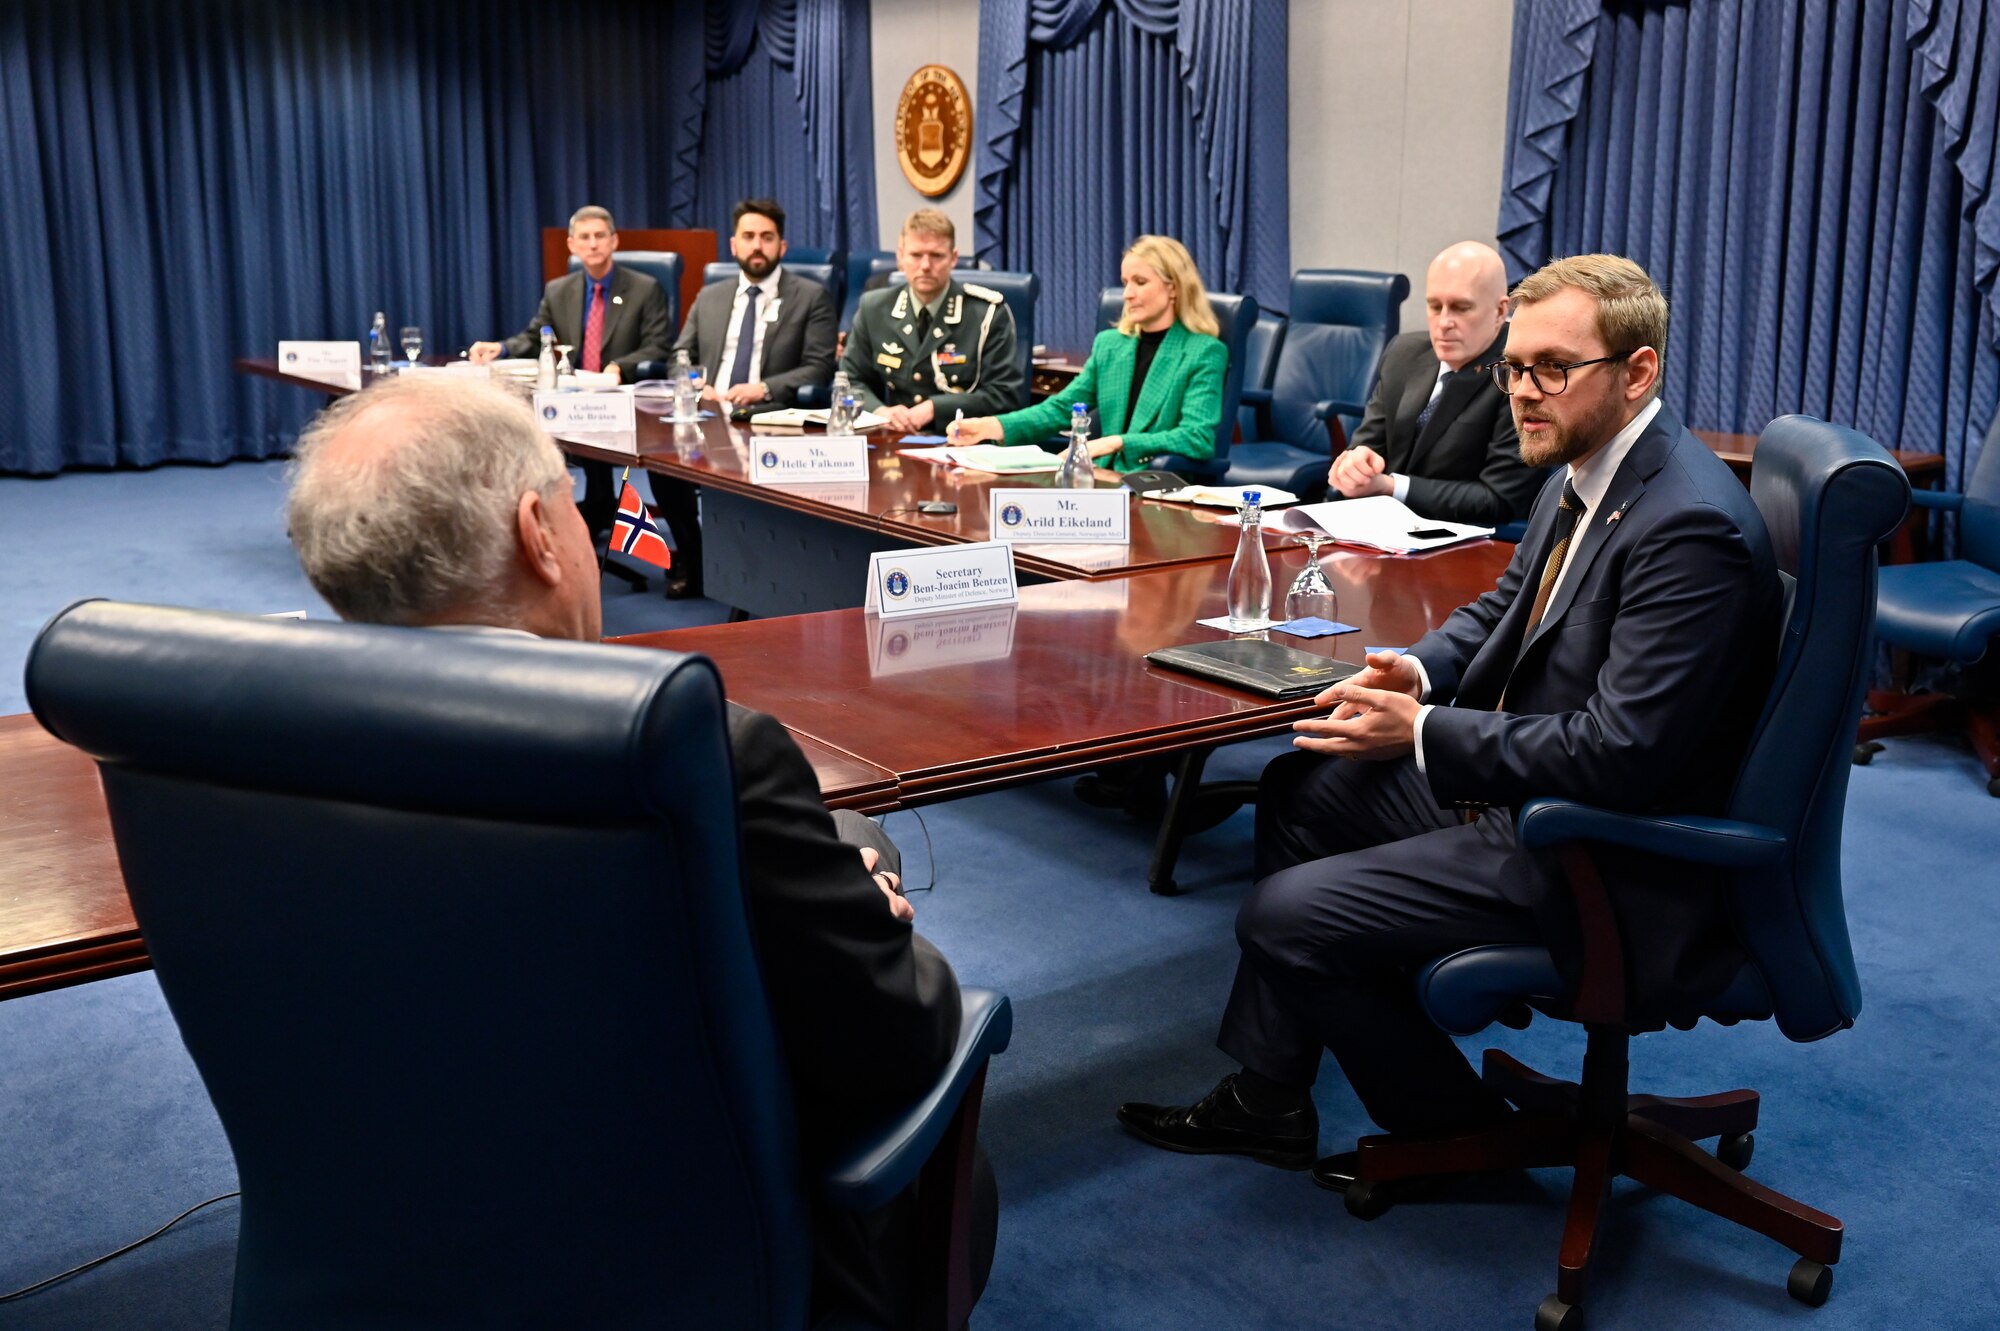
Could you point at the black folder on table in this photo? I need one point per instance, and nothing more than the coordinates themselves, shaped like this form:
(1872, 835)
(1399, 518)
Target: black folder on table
(1256, 665)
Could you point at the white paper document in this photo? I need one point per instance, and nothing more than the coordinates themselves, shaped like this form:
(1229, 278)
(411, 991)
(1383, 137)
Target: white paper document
(1377, 522)
(794, 418)
(1002, 460)
(1225, 496)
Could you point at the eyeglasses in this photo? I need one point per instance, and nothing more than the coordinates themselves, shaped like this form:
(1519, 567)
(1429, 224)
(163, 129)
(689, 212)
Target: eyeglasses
(1550, 376)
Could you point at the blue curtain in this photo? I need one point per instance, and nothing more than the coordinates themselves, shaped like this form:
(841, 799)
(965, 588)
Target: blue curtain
(1102, 119)
(188, 181)
(782, 74)
(1813, 194)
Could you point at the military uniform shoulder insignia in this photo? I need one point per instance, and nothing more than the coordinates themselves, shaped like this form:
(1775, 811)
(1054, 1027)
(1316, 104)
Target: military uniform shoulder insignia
(978, 292)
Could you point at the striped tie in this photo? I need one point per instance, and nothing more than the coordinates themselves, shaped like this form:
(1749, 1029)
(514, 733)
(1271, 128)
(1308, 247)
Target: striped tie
(1566, 517)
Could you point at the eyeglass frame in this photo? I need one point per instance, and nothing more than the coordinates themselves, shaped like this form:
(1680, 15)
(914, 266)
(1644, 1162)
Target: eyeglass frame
(1514, 372)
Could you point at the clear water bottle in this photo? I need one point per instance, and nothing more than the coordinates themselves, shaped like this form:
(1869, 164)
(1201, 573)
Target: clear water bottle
(378, 344)
(1078, 471)
(686, 395)
(545, 364)
(1249, 572)
(840, 416)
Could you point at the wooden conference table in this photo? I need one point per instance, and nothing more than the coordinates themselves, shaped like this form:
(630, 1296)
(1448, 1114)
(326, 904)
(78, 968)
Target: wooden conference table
(890, 714)
(792, 549)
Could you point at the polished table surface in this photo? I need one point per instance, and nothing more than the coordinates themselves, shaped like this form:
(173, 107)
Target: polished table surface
(64, 917)
(889, 713)
(715, 454)
(965, 701)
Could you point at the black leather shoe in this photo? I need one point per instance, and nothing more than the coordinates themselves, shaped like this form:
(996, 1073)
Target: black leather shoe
(1335, 1172)
(1142, 794)
(1222, 1125)
(683, 588)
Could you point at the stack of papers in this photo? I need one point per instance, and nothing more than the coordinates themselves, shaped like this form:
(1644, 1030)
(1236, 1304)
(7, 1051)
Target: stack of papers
(1225, 496)
(1378, 522)
(796, 418)
(999, 458)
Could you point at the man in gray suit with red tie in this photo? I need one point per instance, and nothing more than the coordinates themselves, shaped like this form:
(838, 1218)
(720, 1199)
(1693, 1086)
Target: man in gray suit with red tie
(761, 338)
(611, 317)
(1622, 659)
(1438, 433)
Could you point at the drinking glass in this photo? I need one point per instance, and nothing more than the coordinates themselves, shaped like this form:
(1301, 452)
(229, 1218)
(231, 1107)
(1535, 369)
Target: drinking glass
(1311, 596)
(412, 338)
(562, 361)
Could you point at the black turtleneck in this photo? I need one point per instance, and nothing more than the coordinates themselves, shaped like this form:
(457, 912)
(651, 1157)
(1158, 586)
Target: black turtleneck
(1149, 346)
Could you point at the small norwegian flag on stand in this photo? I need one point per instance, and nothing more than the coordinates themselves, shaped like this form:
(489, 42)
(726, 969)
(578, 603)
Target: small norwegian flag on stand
(633, 532)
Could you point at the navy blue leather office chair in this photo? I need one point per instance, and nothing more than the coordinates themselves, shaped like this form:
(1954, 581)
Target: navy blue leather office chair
(862, 267)
(452, 928)
(664, 267)
(1339, 325)
(815, 254)
(1949, 610)
(1828, 495)
(1236, 315)
(1260, 363)
(834, 279)
(1020, 290)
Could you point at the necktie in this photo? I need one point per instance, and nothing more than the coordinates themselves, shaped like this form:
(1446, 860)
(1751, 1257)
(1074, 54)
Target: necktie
(923, 327)
(1565, 527)
(746, 338)
(593, 327)
(1424, 416)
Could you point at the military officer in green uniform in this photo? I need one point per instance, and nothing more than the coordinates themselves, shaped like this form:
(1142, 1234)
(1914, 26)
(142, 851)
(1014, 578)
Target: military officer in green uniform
(922, 353)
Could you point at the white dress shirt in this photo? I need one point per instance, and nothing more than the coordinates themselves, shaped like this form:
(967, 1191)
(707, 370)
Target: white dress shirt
(1590, 478)
(767, 303)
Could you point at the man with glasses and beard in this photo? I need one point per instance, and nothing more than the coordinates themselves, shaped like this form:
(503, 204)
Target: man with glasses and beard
(761, 338)
(1621, 660)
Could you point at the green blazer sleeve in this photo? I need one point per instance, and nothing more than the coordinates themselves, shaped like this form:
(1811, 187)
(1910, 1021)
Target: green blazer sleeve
(1032, 425)
(1189, 410)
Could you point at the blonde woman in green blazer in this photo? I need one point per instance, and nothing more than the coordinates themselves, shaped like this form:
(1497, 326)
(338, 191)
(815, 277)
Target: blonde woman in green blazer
(1179, 402)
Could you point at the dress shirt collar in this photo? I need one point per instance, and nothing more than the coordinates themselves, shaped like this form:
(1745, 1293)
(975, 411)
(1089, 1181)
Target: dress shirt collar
(1593, 477)
(767, 288)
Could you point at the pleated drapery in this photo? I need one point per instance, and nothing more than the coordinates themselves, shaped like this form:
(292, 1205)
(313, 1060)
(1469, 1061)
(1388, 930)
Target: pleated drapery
(782, 73)
(1813, 193)
(1102, 119)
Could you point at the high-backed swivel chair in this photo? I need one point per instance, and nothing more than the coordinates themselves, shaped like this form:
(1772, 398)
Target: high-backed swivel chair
(1340, 323)
(664, 267)
(833, 278)
(1236, 315)
(1260, 363)
(1948, 609)
(862, 267)
(452, 927)
(1828, 495)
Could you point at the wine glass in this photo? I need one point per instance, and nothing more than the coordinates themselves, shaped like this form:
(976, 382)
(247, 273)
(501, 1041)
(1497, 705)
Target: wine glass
(1311, 596)
(412, 338)
(562, 359)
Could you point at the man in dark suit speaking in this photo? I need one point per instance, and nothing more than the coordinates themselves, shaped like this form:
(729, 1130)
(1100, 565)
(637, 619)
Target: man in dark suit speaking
(439, 503)
(1437, 433)
(761, 338)
(612, 318)
(1621, 660)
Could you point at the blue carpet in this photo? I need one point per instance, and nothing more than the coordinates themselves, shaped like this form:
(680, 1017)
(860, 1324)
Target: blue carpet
(1894, 1126)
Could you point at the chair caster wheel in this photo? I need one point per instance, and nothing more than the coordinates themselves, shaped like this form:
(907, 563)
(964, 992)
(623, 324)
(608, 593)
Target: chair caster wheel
(1810, 1282)
(1555, 1315)
(1736, 1151)
(1365, 1200)
(1865, 752)
(1993, 787)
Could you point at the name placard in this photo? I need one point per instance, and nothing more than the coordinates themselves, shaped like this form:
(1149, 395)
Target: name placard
(1052, 517)
(569, 414)
(954, 637)
(328, 362)
(943, 577)
(833, 457)
(619, 441)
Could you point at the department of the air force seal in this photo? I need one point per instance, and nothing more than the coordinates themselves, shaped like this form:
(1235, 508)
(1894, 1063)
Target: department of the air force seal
(769, 457)
(898, 584)
(933, 130)
(1011, 515)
